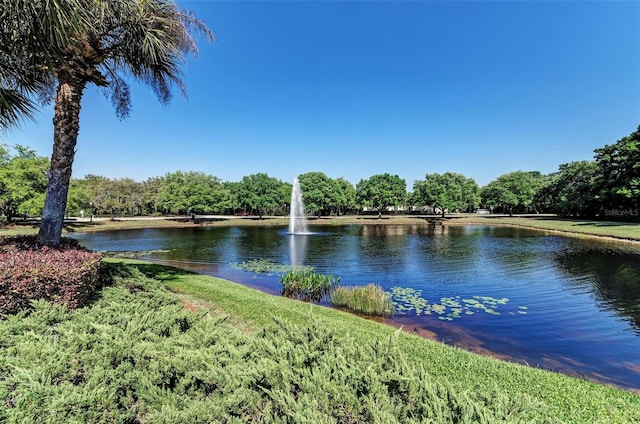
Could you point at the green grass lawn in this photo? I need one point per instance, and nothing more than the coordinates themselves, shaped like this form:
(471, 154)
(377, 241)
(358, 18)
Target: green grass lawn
(568, 399)
(621, 230)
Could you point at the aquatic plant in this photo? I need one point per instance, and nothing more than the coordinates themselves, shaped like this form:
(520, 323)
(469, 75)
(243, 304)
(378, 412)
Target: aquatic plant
(306, 285)
(266, 266)
(407, 300)
(370, 299)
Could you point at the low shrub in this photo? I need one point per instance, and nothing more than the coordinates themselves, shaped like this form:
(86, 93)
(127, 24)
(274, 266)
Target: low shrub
(307, 285)
(68, 275)
(370, 299)
(136, 356)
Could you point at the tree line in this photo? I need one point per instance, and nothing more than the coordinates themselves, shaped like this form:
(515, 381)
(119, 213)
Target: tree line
(606, 187)
(52, 51)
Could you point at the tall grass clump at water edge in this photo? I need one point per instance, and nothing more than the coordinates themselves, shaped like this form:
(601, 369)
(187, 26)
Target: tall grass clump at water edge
(307, 285)
(370, 299)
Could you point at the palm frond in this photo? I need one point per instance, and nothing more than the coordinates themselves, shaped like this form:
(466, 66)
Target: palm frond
(151, 41)
(14, 108)
(33, 34)
(102, 42)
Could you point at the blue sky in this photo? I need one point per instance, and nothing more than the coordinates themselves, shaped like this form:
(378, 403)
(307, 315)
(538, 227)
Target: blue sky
(359, 88)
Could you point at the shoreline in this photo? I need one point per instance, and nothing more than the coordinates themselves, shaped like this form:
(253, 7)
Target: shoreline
(586, 235)
(597, 230)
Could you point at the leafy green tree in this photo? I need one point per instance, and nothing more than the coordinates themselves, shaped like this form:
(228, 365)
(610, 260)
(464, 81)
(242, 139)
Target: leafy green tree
(346, 199)
(192, 193)
(78, 198)
(513, 191)
(619, 168)
(286, 190)
(381, 191)
(544, 200)
(32, 206)
(4, 154)
(22, 182)
(448, 192)
(101, 194)
(94, 42)
(574, 189)
(260, 193)
(233, 187)
(130, 196)
(150, 191)
(319, 192)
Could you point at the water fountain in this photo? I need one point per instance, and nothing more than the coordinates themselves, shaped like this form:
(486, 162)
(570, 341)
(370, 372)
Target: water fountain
(297, 218)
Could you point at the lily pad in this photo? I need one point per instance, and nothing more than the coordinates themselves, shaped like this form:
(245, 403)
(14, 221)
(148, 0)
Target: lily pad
(408, 300)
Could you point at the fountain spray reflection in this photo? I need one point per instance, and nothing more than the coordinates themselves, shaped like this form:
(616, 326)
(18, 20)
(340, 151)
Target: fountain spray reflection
(298, 250)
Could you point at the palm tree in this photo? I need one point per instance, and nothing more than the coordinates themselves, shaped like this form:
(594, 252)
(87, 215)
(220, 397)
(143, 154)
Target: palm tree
(28, 26)
(102, 42)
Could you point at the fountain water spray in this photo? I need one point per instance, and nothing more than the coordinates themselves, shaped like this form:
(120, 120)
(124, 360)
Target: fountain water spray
(297, 217)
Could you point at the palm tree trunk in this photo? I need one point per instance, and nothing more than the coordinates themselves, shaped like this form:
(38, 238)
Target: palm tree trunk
(66, 124)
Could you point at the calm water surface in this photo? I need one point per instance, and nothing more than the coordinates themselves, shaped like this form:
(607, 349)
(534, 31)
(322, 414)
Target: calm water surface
(569, 305)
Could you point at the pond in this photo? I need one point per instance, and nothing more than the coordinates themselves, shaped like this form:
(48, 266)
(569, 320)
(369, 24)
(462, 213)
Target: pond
(564, 304)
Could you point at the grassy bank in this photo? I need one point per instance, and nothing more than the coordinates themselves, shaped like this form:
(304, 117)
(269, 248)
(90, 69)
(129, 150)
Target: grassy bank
(563, 398)
(216, 351)
(618, 230)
